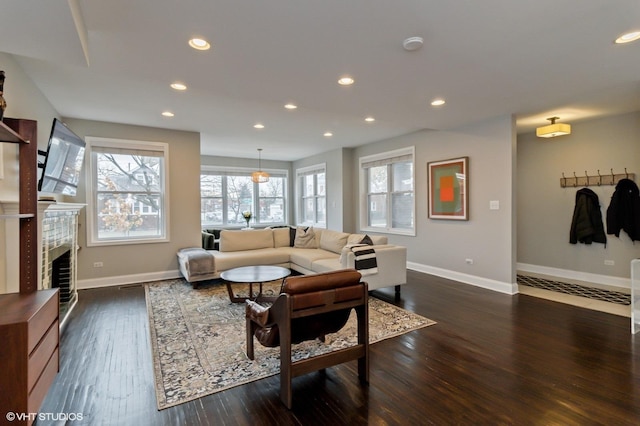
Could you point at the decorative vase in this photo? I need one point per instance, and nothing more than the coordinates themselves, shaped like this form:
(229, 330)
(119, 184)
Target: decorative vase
(3, 103)
(247, 219)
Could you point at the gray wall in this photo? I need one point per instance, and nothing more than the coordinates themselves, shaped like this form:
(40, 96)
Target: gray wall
(545, 209)
(184, 191)
(488, 237)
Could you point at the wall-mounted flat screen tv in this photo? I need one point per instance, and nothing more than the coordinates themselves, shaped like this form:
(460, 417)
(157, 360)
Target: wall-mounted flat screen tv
(63, 161)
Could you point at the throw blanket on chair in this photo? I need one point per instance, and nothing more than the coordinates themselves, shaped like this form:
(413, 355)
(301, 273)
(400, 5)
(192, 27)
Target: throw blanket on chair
(365, 261)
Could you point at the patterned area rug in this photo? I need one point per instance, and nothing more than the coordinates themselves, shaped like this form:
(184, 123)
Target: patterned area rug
(198, 339)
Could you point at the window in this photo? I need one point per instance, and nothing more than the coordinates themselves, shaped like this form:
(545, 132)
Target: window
(387, 188)
(312, 195)
(127, 192)
(226, 193)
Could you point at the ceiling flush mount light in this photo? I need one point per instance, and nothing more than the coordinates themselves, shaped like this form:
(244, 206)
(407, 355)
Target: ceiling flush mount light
(168, 114)
(178, 86)
(412, 43)
(259, 176)
(437, 102)
(628, 37)
(199, 44)
(258, 126)
(554, 129)
(291, 106)
(346, 81)
(369, 119)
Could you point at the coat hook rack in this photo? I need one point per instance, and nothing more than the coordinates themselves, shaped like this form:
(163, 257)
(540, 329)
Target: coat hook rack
(599, 180)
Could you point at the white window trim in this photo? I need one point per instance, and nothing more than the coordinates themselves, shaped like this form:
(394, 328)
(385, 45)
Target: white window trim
(207, 168)
(316, 168)
(92, 226)
(363, 190)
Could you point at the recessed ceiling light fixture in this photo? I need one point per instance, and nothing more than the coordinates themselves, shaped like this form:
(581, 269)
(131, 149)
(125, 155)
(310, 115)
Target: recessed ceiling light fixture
(437, 102)
(554, 129)
(412, 43)
(291, 106)
(369, 119)
(258, 126)
(199, 44)
(346, 81)
(168, 114)
(628, 37)
(178, 86)
(328, 134)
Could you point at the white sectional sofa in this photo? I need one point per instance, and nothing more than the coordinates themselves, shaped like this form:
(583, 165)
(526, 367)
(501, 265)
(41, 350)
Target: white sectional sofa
(326, 250)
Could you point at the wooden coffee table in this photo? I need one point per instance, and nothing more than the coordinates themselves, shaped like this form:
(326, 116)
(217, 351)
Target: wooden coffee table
(253, 275)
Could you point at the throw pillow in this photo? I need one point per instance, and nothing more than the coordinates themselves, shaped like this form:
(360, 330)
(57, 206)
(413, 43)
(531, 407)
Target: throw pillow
(292, 236)
(366, 240)
(305, 238)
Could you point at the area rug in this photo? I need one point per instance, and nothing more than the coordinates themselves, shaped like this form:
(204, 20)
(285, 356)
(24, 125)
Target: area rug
(198, 339)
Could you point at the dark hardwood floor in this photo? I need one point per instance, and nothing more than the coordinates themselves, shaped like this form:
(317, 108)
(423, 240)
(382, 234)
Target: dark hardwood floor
(491, 359)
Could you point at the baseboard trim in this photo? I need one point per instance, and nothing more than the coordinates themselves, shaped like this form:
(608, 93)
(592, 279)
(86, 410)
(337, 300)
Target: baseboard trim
(127, 279)
(499, 286)
(586, 277)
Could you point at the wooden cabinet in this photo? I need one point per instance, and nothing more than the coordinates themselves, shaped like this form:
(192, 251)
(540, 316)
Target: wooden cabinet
(29, 354)
(29, 320)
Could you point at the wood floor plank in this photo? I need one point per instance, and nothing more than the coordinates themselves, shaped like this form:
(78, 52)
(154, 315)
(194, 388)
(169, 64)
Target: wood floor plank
(491, 359)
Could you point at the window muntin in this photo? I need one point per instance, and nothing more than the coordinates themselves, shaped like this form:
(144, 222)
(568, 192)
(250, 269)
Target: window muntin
(226, 193)
(388, 191)
(312, 199)
(127, 192)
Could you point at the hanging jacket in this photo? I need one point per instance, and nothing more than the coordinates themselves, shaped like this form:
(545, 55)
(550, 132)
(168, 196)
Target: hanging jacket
(586, 225)
(624, 210)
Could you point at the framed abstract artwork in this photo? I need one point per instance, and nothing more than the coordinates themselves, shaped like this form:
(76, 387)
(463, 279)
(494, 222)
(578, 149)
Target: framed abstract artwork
(449, 189)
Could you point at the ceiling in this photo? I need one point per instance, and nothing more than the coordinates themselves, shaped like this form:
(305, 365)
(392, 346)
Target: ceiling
(534, 59)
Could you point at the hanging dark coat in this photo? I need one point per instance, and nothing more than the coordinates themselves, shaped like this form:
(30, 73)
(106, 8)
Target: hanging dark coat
(623, 212)
(586, 225)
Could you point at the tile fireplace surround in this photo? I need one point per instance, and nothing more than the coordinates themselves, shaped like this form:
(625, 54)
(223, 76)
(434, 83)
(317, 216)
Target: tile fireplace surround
(57, 250)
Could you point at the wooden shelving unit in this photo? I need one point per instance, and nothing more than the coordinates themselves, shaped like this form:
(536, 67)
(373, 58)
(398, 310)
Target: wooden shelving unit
(29, 320)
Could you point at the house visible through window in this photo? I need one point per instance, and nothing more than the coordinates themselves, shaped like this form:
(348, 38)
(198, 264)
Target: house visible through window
(312, 195)
(387, 188)
(226, 193)
(128, 191)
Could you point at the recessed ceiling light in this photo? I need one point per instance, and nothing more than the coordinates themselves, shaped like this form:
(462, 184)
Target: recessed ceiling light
(437, 102)
(291, 106)
(628, 37)
(328, 134)
(370, 119)
(346, 81)
(258, 126)
(178, 86)
(199, 44)
(168, 114)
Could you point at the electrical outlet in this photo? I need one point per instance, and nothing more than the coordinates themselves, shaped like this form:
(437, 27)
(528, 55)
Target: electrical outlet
(609, 262)
(98, 264)
(469, 261)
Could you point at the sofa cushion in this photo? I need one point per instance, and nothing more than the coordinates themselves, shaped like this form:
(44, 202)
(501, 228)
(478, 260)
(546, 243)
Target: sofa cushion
(245, 240)
(326, 265)
(376, 239)
(333, 240)
(281, 237)
(236, 259)
(305, 238)
(305, 258)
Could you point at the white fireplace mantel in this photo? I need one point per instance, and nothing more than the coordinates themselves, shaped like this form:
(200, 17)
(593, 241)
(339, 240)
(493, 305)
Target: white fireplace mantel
(10, 212)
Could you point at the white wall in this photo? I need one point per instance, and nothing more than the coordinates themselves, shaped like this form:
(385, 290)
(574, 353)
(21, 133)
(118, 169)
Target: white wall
(545, 209)
(488, 237)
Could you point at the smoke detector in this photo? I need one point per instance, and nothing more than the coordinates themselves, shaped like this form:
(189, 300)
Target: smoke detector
(412, 43)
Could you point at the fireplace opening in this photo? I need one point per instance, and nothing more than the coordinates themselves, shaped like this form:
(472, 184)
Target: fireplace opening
(60, 273)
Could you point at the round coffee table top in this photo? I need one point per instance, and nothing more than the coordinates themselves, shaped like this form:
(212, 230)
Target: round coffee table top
(255, 274)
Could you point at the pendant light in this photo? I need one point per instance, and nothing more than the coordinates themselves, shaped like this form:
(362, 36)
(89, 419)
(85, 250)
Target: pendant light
(259, 176)
(554, 129)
